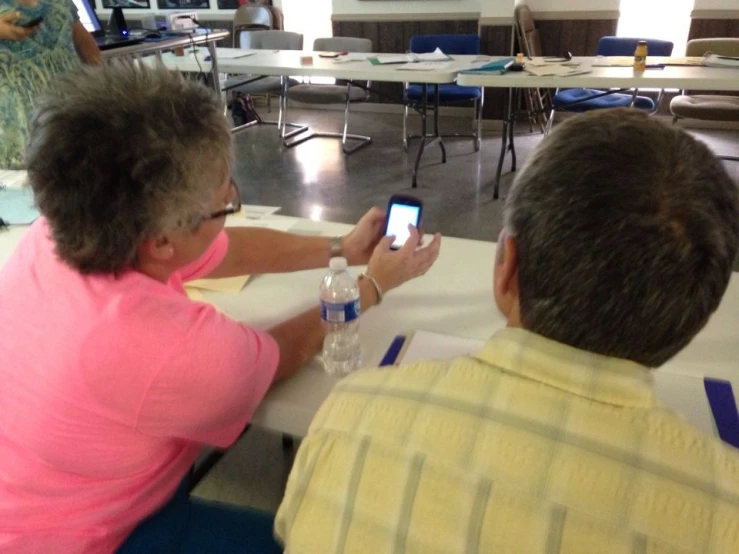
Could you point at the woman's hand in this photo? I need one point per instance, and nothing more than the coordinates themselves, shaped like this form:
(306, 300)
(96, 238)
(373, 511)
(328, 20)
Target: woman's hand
(10, 31)
(359, 245)
(392, 268)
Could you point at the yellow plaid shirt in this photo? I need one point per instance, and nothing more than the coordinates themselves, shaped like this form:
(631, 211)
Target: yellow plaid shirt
(529, 447)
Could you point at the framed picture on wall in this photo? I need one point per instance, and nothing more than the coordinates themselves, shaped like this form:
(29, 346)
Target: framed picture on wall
(182, 4)
(228, 4)
(128, 4)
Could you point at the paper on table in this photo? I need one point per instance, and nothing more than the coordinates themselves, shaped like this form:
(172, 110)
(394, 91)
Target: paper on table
(13, 179)
(197, 295)
(391, 58)
(425, 345)
(425, 66)
(253, 211)
(236, 53)
(553, 70)
(721, 61)
(266, 223)
(435, 56)
(227, 284)
(353, 57)
(16, 206)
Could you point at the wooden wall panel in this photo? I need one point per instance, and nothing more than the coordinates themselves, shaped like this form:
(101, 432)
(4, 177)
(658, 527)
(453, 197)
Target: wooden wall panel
(577, 36)
(709, 28)
(393, 37)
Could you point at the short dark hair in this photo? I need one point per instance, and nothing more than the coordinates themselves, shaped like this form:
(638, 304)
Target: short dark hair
(627, 232)
(121, 153)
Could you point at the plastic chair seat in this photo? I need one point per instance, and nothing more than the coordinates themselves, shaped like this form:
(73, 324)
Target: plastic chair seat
(325, 94)
(617, 100)
(706, 107)
(447, 93)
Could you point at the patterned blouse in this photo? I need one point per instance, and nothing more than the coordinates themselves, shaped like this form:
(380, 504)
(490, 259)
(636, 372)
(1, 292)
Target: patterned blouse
(28, 68)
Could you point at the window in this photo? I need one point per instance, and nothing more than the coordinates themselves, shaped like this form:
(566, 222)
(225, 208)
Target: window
(661, 19)
(312, 20)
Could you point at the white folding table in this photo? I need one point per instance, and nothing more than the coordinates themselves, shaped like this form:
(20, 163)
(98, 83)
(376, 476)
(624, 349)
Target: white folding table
(683, 77)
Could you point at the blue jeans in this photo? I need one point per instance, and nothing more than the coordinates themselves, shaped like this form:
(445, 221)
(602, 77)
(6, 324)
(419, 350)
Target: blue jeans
(191, 526)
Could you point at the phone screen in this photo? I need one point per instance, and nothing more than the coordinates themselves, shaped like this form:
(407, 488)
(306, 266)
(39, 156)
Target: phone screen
(398, 219)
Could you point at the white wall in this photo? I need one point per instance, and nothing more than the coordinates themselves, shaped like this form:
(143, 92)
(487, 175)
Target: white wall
(716, 5)
(365, 7)
(573, 5)
(496, 8)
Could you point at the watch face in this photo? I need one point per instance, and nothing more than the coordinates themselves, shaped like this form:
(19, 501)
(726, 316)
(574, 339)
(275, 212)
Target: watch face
(335, 246)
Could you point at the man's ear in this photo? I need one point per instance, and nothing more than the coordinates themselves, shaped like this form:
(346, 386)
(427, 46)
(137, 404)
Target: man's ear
(156, 250)
(505, 278)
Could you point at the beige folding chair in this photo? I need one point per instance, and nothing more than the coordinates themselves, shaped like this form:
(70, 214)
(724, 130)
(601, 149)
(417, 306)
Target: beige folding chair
(340, 93)
(708, 107)
(261, 84)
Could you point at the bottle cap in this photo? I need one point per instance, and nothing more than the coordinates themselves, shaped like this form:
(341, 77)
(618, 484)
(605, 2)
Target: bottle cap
(337, 264)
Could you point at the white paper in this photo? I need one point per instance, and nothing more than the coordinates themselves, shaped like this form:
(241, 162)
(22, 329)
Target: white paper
(253, 211)
(425, 66)
(12, 179)
(236, 53)
(353, 57)
(434, 346)
(719, 61)
(276, 224)
(393, 58)
(435, 56)
(552, 70)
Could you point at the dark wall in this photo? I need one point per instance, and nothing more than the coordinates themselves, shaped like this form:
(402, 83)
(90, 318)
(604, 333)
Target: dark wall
(580, 37)
(710, 28)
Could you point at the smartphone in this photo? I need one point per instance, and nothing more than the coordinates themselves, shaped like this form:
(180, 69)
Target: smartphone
(401, 211)
(32, 23)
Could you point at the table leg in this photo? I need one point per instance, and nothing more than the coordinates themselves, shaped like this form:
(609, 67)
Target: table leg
(511, 143)
(503, 143)
(214, 70)
(422, 146)
(437, 134)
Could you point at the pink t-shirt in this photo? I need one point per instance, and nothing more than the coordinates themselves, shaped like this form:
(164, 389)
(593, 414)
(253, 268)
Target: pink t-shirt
(109, 387)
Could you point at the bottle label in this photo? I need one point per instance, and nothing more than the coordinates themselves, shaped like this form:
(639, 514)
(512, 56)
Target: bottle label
(339, 313)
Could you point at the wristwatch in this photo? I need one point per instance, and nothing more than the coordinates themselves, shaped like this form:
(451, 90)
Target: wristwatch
(335, 248)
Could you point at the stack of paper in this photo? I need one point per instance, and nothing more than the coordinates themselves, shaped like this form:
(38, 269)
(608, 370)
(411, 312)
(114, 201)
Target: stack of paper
(713, 60)
(552, 70)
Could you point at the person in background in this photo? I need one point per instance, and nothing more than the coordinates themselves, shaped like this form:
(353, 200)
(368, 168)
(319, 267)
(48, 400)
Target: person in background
(112, 379)
(31, 59)
(619, 238)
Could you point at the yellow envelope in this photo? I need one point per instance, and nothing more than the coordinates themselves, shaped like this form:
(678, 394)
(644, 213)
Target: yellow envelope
(227, 284)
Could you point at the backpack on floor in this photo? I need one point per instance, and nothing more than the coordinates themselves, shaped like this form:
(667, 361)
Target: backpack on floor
(243, 110)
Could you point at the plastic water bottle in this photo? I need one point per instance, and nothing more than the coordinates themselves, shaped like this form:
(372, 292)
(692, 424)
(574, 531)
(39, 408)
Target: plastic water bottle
(342, 352)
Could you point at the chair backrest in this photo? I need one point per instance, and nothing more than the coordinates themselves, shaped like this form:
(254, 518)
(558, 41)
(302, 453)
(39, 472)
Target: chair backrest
(625, 46)
(719, 46)
(449, 44)
(253, 17)
(528, 35)
(270, 40)
(342, 44)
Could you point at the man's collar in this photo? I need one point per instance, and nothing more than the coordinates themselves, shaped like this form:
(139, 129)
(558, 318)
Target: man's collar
(601, 378)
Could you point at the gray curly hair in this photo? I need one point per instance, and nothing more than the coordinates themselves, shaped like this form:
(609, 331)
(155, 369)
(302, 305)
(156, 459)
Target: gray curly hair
(121, 153)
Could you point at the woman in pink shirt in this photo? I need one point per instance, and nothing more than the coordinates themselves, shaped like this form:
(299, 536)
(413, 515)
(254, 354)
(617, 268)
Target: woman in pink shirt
(111, 379)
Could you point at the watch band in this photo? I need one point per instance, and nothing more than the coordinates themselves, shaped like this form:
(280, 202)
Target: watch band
(335, 248)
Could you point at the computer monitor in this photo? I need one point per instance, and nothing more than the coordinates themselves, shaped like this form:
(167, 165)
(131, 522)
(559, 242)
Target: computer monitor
(89, 18)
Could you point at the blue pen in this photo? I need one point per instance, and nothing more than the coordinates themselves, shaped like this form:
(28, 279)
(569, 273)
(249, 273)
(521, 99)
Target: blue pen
(656, 66)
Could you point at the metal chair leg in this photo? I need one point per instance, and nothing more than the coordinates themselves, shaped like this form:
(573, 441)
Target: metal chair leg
(550, 122)
(405, 128)
(480, 104)
(362, 140)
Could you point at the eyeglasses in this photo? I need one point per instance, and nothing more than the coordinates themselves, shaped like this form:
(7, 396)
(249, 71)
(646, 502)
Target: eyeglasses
(233, 207)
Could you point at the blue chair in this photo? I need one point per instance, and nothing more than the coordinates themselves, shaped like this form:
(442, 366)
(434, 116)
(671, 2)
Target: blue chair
(584, 100)
(447, 93)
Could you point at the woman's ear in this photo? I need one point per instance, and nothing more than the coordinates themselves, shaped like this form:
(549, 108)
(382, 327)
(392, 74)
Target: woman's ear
(156, 250)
